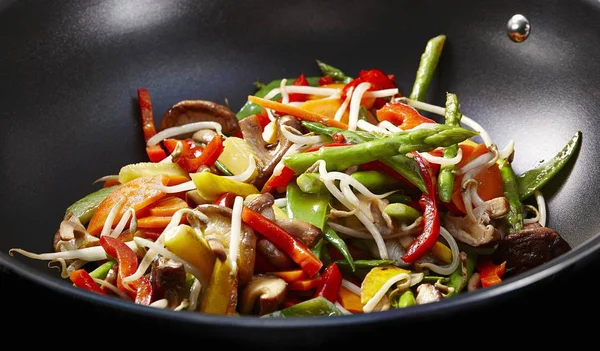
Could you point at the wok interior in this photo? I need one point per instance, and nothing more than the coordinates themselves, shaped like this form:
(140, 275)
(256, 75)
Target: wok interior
(69, 113)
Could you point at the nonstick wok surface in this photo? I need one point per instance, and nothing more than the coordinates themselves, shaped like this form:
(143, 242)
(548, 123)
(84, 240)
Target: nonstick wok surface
(68, 108)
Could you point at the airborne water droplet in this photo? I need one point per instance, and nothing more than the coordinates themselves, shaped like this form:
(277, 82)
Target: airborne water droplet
(518, 28)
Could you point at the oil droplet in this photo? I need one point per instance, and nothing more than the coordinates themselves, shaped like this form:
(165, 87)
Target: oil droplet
(518, 28)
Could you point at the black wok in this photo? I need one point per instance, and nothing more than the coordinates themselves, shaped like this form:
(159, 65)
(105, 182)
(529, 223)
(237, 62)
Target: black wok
(70, 70)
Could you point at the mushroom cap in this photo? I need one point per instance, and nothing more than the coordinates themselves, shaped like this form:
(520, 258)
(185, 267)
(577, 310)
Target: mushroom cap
(191, 111)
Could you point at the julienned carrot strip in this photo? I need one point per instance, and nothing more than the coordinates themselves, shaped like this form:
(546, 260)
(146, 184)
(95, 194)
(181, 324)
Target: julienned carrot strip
(137, 194)
(153, 222)
(297, 112)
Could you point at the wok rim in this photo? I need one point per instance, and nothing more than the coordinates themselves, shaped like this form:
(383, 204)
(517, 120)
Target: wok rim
(464, 301)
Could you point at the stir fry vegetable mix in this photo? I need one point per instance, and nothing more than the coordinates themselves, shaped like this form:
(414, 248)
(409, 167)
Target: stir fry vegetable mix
(322, 196)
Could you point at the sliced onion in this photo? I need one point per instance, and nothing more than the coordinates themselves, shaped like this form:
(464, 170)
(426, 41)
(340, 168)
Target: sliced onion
(183, 129)
(381, 93)
(448, 269)
(285, 97)
(416, 278)
(340, 112)
(442, 160)
(281, 202)
(111, 217)
(351, 286)
(236, 233)
(364, 125)
(194, 294)
(302, 89)
(389, 126)
(111, 287)
(370, 305)
(355, 104)
(539, 198)
(89, 254)
(507, 151)
(162, 304)
(247, 174)
(290, 134)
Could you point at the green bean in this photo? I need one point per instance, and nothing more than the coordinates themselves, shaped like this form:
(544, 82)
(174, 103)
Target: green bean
(401, 198)
(446, 176)
(536, 178)
(407, 299)
(102, 271)
(374, 180)
(367, 263)
(427, 66)
(317, 306)
(514, 217)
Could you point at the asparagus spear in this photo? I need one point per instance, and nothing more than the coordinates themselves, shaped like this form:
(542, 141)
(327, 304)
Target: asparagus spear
(427, 66)
(343, 157)
(446, 176)
(333, 72)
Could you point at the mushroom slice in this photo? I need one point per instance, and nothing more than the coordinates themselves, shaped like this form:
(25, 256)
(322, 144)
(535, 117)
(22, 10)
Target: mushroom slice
(191, 111)
(478, 232)
(275, 256)
(427, 293)
(306, 232)
(268, 290)
(168, 280)
(72, 235)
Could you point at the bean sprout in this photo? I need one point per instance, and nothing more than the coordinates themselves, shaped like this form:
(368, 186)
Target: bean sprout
(183, 129)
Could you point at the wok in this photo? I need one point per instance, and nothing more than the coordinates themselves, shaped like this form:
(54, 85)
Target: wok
(70, 70)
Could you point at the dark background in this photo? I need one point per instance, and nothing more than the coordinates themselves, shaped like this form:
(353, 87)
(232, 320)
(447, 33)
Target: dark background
(69, 71)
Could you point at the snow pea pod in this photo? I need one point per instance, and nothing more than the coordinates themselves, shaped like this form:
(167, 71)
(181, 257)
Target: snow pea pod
(534, 179)
(514, 217)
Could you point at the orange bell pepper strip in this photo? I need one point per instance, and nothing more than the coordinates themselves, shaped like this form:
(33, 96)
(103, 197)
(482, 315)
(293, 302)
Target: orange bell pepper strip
(82, 279)
(137, 194)
(489, 181)
(155, 153)
(402, 115)
(291, 245)
(304, 284)
(297, 112)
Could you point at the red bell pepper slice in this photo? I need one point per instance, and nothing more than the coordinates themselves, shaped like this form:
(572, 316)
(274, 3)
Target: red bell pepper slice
(377, 78)
(128, 264)
(155, 153)
(402, 115)
(282, 179)
(331, 282)
(291, 245)
(295, 97)
(490, 273)
(82, 279)
(431, 227)
(326, 80)
(193, 156)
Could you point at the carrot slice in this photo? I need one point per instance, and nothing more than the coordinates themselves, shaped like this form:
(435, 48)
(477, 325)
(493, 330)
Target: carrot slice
(136, 194)
(167, 206)
(325, 107)
(153, 222)
(177, 179)
(290, 276)
(297, 112)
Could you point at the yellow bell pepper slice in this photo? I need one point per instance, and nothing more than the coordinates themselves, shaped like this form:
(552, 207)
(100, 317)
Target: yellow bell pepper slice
(221, 292)
(236, 156)
(183, 241)
(375, 279)
(210, 186)
(144, 169)
(442, 252)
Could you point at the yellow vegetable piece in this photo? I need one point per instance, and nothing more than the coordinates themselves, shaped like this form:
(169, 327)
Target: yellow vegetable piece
(442, 252)
(220, 291)
(375, 279)
(183, 241)
(144, 169)
(279, 213)
(210, 186)
(326, 107)
(270, 133)
(235, 156)
(469, 142)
